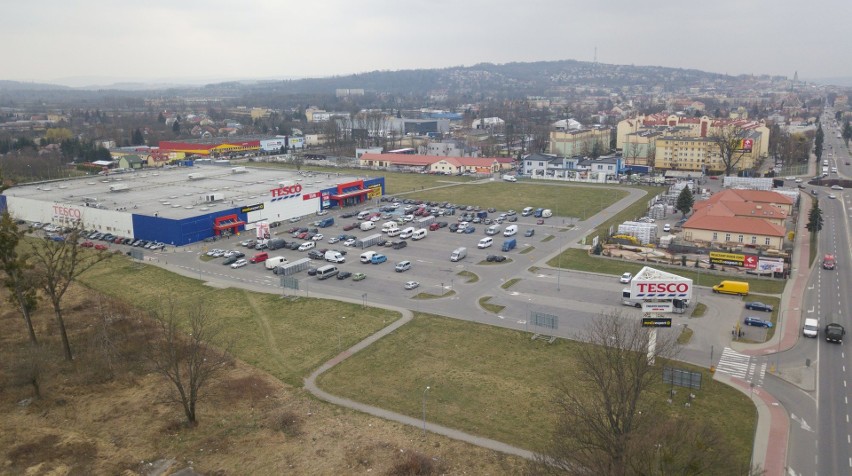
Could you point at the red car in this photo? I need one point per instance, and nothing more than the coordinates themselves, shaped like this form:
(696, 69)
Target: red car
(87, 244)
(118, 240)
(434, 226)
(350, 227)
(100, 247)
(302, 235)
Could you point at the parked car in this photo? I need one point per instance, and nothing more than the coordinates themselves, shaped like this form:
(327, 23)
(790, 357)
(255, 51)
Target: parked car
(317, 237)
(757, 322)
(667, 227)
(351, 226)
(402, 266)
(343, 274)
(349, 242)
(87, 244)
(400, 245)
(529, 232)
(359, 276)
(758, 306)
(239, 263)
(411, 284)
(625, 278)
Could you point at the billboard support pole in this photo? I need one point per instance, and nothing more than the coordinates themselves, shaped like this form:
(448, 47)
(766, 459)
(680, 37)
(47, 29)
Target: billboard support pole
(652, 345)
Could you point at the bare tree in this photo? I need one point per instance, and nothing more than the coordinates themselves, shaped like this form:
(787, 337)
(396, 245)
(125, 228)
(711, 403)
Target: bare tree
(18, 278)
(57, 265)
(603, 407)
(190, 361)
(729, 139)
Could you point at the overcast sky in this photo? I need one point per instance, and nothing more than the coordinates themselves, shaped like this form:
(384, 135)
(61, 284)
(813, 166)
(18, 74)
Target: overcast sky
(96, 41)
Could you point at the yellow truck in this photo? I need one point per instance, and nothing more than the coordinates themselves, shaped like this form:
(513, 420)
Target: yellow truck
(732, 287)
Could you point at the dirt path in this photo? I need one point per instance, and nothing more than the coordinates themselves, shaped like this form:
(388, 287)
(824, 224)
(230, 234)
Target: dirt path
(261, 319)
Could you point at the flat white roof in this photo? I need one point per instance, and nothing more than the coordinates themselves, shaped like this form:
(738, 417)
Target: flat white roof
(169, 193)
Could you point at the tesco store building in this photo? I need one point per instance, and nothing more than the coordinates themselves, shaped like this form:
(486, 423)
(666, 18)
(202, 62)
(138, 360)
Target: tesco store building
(182, 205)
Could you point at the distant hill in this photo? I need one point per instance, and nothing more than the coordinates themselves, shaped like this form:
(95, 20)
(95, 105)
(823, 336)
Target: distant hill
(6, 85)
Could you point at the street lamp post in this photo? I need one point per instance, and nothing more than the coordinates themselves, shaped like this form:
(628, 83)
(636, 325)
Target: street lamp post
(424, 410)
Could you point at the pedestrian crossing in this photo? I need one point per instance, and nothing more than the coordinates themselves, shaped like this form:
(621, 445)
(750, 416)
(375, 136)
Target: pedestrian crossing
(742, 366)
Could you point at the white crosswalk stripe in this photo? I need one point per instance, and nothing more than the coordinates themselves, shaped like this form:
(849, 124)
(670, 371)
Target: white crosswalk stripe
(741, 366)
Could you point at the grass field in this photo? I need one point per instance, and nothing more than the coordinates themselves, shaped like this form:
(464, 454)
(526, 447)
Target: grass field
(565, 201)
(498, 383)
(495, 308)
(637, 210)
(580, 260)
(285, 338)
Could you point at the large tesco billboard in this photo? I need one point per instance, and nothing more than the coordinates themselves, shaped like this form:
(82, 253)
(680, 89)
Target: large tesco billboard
(679, 288)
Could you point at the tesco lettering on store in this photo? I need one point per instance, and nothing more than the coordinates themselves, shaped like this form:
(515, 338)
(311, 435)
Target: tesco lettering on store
(668, 289)
(60, 211)
(289, 190)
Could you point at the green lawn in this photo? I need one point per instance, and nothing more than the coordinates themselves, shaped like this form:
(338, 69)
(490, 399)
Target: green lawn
(498, 383)
(565, 201)
(283, 337)
(580, 260)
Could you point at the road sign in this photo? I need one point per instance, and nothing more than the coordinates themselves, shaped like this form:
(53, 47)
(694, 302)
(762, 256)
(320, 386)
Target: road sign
(682, 378)
(656, 322)
(541, 319)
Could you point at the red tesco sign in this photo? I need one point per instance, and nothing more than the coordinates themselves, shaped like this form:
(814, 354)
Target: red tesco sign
(283, 191)
(61, 211)
(663, 287)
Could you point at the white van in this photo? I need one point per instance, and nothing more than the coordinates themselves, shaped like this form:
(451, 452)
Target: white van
(394, 232)
(363, 215)
(811, 328)
(527, 211)
(492, 230)
(326, 271)
(406, 233)
(274, 261)
(419, 234)
(511, 230)
(334, 257)
(367, 225)
(546, 213)
(458, 254)
(388, 226)
(367, 256)
(485, 242)
(307, 245)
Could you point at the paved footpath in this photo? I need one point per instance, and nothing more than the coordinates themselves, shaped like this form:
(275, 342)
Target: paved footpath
(311, 386)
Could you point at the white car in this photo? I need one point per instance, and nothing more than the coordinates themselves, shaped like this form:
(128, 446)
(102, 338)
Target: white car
(411, 284)
(831, 195)
(349, 242)
(333, 240)
(317, 237)
(239, 263)
(667, 227)
(625, 278)
(789, 178)
(798, 180)
(322, 212)
(836, 187)
(307, 245)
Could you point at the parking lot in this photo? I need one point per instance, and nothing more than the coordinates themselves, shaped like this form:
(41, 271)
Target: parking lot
(430, 256)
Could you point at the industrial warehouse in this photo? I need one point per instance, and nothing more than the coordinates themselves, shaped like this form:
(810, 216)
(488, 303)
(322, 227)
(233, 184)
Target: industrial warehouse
(182, 205)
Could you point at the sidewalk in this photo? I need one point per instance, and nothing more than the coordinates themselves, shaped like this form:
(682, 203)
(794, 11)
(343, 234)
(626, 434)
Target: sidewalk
(771, 436)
